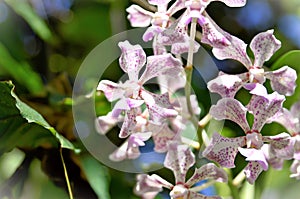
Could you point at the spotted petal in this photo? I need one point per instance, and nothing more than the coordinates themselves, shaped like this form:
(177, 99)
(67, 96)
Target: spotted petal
(106, 122)
(252, 171)
(130, 148)
(129, 123)
(264, 45)
(282, 144)
(283, 80)
(230, 109)
(162, 134)
(179, 159)
(161, 65)
(151, 32)
(132, 59)
(212, 34)
(286, 119)
(256, 155)
(111, 90)
(180, 48)
(273, 160)
(223, 150)
(138, 16)
(158, 106)
(295, 110)
(207, 171)
(227, 85)
(236, 50)
(149, 186)
(264, 107)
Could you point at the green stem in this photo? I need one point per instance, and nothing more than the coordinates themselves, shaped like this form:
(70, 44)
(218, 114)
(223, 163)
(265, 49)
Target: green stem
(66, 175)
(189, 72)
(234, 189)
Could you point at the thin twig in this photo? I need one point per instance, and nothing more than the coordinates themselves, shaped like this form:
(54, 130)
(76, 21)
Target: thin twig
(66, 175)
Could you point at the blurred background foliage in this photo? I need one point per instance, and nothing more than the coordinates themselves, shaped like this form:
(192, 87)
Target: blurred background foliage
(42, 45)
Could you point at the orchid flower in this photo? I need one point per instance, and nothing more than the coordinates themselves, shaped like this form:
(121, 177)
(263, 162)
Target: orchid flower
(224, 150)
(131, 95)
(263, 46)
(211, 33)
(179, 159)
(290, 119)
(162, 31)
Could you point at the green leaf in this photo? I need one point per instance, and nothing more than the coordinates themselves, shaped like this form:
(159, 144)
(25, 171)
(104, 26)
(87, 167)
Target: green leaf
(290, 59)
(20, 72)
(22, 126)
(97, 175)
(39, 26)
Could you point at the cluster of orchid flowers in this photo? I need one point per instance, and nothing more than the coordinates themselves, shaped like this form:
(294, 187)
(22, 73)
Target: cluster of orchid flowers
(162, 117)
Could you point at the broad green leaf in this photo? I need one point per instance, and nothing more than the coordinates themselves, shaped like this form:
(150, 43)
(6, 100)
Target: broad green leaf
(20, 71)
(290, 59)
(37, 24)
(97, 175)
(22, 126)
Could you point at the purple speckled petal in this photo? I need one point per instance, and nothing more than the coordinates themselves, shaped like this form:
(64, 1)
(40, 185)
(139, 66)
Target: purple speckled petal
(158, 48)
(297, 147)
(149, 186)
(282, 144)
(223, 150)
(138, 16)
(283, 80)
(110, 89)
(256, 89)
(295, 110)
(106, 122)
(161, 65)
(264, 107)
(125, 104)
(252, 171)
(171, 85)
(179, 159)
(120, 153)
(287, 120)
(158, 106)
(180, 48)
(130, 148)
(132, 59)
(236, 50)
(151, 32)
(230, 109)
(161, 137)
(212, 34)
(172, 34)
(233, 3)
(227, 85)
(295, 169)
(207, 171)
(129, 123)
(264, 45)
(256, 155)
(273, 160)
